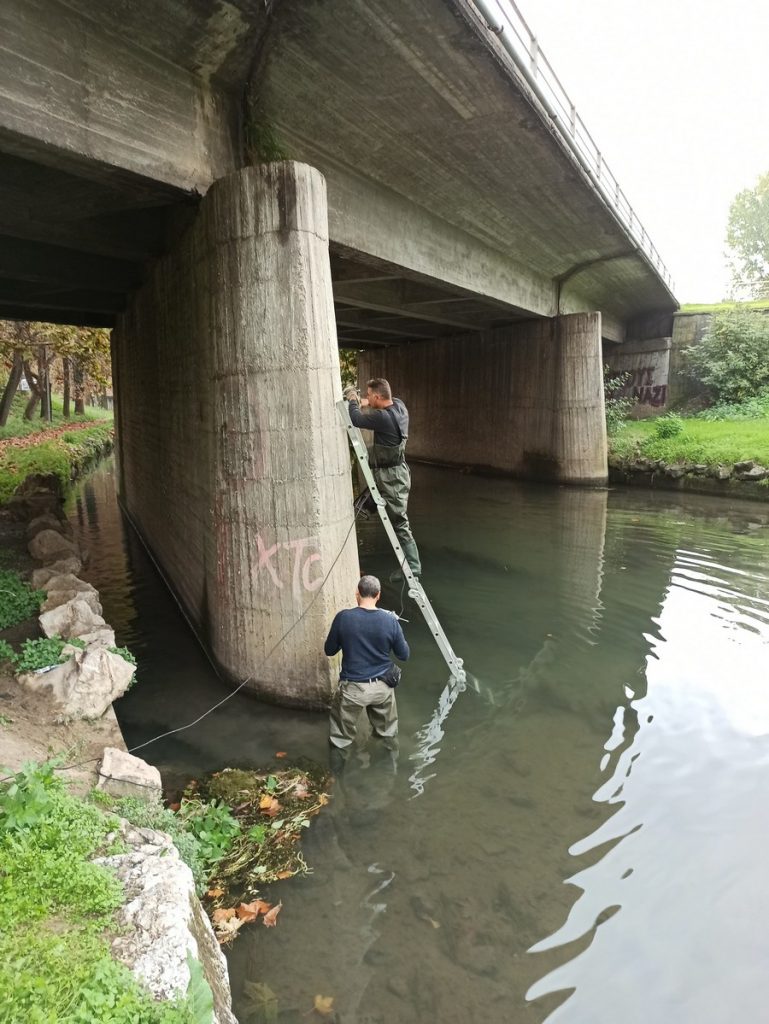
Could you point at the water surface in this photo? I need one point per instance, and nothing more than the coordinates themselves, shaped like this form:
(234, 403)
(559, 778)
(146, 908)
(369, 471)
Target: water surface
(580, 836)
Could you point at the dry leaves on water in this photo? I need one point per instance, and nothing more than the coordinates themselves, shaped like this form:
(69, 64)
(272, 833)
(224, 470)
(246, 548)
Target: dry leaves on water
(324, 1005)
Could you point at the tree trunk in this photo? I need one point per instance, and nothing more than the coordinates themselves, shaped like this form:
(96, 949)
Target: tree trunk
(65, 400)
(34, 393)
(45, 391)
(10, 388)
(79, 380)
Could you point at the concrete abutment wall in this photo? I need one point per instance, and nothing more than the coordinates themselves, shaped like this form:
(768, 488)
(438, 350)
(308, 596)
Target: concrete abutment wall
(233, 464)
(525, 400)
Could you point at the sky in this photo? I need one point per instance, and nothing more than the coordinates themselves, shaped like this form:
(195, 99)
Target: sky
(675, 93)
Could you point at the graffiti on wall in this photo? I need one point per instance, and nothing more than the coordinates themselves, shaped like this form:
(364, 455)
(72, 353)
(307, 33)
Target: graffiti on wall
(641, 386)
(299, 571)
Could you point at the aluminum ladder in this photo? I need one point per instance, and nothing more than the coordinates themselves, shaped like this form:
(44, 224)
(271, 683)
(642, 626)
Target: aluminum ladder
(416, 591)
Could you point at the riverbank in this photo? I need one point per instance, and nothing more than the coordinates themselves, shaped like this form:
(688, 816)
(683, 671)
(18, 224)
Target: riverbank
(728, 458)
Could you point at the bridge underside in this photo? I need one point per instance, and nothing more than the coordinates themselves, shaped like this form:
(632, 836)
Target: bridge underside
(427, 215)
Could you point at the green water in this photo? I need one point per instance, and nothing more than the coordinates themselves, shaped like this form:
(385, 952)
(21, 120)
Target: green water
(580, 836)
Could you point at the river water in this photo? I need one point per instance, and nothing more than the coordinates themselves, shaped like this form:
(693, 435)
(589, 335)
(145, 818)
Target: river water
(581, 835)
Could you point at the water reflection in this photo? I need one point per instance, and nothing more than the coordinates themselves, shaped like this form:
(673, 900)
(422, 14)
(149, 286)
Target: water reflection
(578, 837)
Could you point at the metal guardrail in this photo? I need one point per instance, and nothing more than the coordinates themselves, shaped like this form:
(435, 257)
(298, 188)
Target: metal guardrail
(506, 21)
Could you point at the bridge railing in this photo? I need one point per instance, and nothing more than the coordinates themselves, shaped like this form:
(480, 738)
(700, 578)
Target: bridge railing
(506, 21)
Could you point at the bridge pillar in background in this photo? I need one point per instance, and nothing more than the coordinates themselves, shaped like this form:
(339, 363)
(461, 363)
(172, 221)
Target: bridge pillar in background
(525, 400)
(232, 462)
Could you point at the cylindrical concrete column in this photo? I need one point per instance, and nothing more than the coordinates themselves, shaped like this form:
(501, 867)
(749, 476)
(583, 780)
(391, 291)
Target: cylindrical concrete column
(235, 466)
(579, 423)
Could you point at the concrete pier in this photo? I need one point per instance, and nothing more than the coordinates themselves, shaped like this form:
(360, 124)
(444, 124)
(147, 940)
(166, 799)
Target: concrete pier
(524, 400)
(227, 370)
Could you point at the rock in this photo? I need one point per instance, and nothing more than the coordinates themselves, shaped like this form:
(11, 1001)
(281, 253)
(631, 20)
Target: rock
(69, 565)
(73, 618)
(743, 467)
(102, 637)
(675, 471)
(49, 546)
(699, 468)
(754, 473)
(48, 521)
(86, 684)
(722, 473)
(162, 921)
(60, 592)
(122, 774)
(36, 495)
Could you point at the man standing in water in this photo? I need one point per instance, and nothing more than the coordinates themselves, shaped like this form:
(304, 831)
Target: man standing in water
(389, 419)
(366, 636)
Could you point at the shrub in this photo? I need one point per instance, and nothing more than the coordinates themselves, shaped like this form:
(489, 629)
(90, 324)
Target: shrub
(40, 653)
(732, 360)
(668, 426)
(617, 404)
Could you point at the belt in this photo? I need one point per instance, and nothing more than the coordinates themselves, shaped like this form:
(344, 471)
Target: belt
(376, 679)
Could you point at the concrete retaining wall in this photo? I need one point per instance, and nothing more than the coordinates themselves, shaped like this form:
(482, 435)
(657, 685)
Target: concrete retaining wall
(647, 365)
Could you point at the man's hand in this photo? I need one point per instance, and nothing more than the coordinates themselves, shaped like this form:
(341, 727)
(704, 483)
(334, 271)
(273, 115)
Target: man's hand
(351, 394)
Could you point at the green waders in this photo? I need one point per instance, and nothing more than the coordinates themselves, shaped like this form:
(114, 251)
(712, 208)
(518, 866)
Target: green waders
(394, 482)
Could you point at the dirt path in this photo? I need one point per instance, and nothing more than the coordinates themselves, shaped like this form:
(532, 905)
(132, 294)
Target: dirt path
(45, 435)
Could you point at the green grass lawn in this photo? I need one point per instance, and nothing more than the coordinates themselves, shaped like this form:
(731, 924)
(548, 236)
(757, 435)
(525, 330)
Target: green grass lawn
(17, 426)
(720, 307)
(700, 441)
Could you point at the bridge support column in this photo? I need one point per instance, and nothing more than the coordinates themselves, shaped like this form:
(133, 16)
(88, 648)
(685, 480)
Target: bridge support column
(525, 400)
(233, 465)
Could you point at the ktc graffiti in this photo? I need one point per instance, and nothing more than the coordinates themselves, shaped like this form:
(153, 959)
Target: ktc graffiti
(299, 574)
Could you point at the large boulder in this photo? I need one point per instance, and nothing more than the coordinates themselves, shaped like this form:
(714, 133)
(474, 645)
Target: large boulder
(38, 494)
(71, 564)
(75, 617)
(48, 521)
(61, 592)
(49, 546)
(86, 684)
(122, 774)
(104, 636)
(162, 921)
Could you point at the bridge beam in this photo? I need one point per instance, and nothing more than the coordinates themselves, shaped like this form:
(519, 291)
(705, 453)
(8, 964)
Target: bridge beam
(524, 400)
(232, 462)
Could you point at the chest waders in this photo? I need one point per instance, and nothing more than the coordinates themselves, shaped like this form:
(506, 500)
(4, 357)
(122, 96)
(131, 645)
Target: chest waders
(394, 482)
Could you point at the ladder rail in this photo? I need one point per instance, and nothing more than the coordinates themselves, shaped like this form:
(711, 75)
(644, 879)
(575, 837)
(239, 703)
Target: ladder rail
(416, 591)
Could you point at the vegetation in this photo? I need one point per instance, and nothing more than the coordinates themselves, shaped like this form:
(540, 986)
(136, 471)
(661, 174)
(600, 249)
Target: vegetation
(617, 404)
(62, 453)
(732, 360)
(56, 911)
(747, 236)
(699, 441)
(52, 356)
(18, 600)
(721, 307)
(43, 652)
(18, 426)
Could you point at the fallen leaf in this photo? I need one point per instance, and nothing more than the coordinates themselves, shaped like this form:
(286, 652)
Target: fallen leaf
(324, 1005)
(269, 918)
(285, 874)
(301, 791)
(250, 911)
(227, 930)
(281, 753)
(269, 805)
(215, 893)
(323, 799)
(223, 914)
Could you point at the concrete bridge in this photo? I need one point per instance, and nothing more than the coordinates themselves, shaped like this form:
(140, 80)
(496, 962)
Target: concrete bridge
(237, 186)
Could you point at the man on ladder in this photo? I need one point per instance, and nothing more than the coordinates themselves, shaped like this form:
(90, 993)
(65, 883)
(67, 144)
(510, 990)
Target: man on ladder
(389, 419)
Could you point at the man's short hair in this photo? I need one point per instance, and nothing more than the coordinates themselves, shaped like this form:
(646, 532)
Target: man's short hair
(380, 387)
(369, 586)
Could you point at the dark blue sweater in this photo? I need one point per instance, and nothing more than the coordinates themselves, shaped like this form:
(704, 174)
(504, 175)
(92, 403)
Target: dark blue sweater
(365, 636)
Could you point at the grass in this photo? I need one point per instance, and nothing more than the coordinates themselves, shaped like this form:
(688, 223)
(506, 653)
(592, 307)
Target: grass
(17, 426)
(700, 441)
(57, 909)
(63, 455)
(720, 307)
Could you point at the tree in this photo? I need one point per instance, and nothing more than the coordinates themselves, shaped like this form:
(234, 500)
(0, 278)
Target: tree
(747, 236)
(732, 360)
(36, 348)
